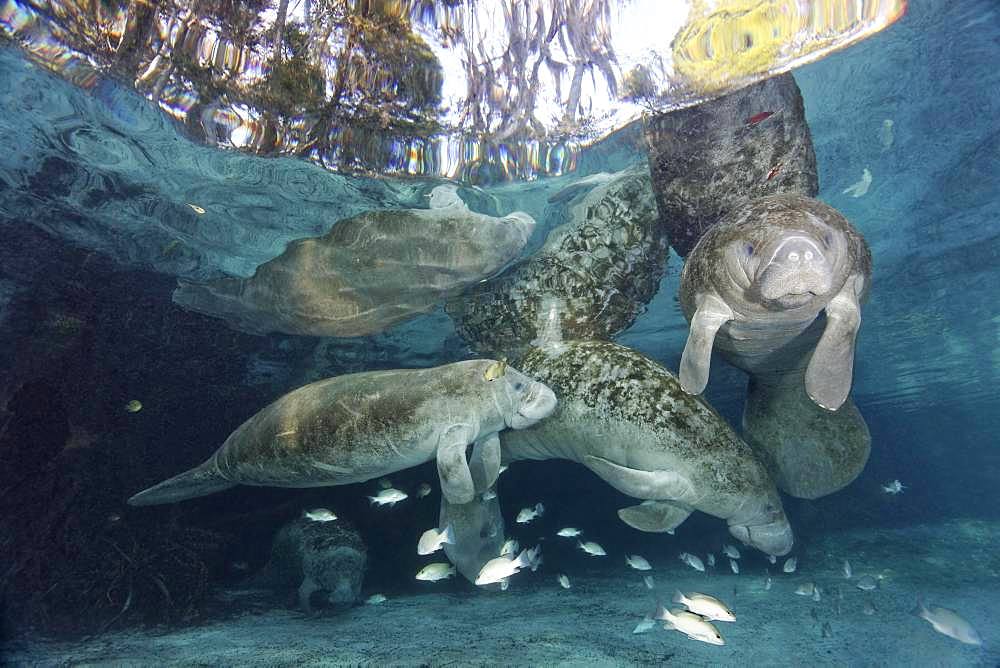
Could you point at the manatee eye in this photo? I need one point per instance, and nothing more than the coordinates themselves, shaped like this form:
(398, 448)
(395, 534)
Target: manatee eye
(793, 256)
(518, 386)
(809, 255)
(828, 238)
(748, 249)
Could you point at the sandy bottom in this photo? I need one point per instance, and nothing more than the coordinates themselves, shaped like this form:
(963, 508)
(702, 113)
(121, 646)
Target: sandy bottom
(536, 622)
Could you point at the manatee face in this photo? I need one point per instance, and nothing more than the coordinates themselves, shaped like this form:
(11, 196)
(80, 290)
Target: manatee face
(787, 268)
(762, 524)
(529, 400)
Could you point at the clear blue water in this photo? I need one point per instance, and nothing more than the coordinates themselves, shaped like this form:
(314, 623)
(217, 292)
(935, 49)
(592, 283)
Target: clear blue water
(95, 189)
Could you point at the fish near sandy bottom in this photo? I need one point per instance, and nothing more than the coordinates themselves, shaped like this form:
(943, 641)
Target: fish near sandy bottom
(368, 272)
(361, 426)
(627, 419)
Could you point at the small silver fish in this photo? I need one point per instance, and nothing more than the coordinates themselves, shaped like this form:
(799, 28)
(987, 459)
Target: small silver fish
(894, 487)
(707, 606)
(501, 568)
(495, 370)
(563, 581)
(436, 571)
(433, 540)
(638, 563)
(847, 569)
(692, 561)
(731, 551)
(489, 495)
(790, 565)
(771, 558)
(592, 548)
(816, 595)
(197, 209)
(692, 625)
(710, 559)
(867, 583)
(375, 599)
(569, 532)
(767, 583)
(384, 483)
(510, 547)
(503, 467)
(648, 581)
(949, 623)
(735, 566)
(388, 497)
(868, 608)
(645, 625)
(528, 514)
(805, 589)
(319, 515)
(423, 490)
(133, 406)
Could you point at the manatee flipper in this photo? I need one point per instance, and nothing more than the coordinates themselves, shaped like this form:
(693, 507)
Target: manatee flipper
(831, 368)
(658, 485)
(696, 359)
(306, 590)
(456, 479)
(655, 516)
(199, 481)
(484, 463)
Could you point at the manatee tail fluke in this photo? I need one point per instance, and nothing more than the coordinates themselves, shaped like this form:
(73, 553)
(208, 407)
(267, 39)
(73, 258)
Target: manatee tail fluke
(199, 481)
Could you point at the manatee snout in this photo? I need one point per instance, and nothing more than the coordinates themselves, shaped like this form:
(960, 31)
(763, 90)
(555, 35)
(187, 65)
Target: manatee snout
(797, 270)
(769, 531)
(536, 403)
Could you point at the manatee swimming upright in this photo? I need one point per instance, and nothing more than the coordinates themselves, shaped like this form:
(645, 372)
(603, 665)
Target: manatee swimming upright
(626, 418)
(759, 278)
(360, 426)
(368, 272)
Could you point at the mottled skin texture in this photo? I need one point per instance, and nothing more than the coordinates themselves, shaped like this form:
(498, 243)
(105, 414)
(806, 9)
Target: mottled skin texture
(602, 265)
(708, 159)
(732, 259)
(811, 450)
(310, 557)
(361, 426)
(622, 407)
(366, 274)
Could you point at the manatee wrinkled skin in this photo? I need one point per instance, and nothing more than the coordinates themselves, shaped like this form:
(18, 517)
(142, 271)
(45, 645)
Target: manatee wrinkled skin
(627, 419)
(708, 159)
(367, 273)
(356, 427)
(602, 266)
(327, 558)
(479, 533)
(776, 288)
(759, 278)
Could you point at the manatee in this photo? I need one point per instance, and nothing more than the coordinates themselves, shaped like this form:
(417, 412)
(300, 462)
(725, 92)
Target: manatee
(626, 418)
(327, 558)
(759, 279)
(601, 266)
(810, 451)
(479, 533)
(708, 159)
(368, 272)
(360, 426)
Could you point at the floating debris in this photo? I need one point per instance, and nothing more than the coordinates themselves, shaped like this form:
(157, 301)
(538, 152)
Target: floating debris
(887, 135)
(197, 209)
(133, 406)
(894, 487)
(860, 188)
